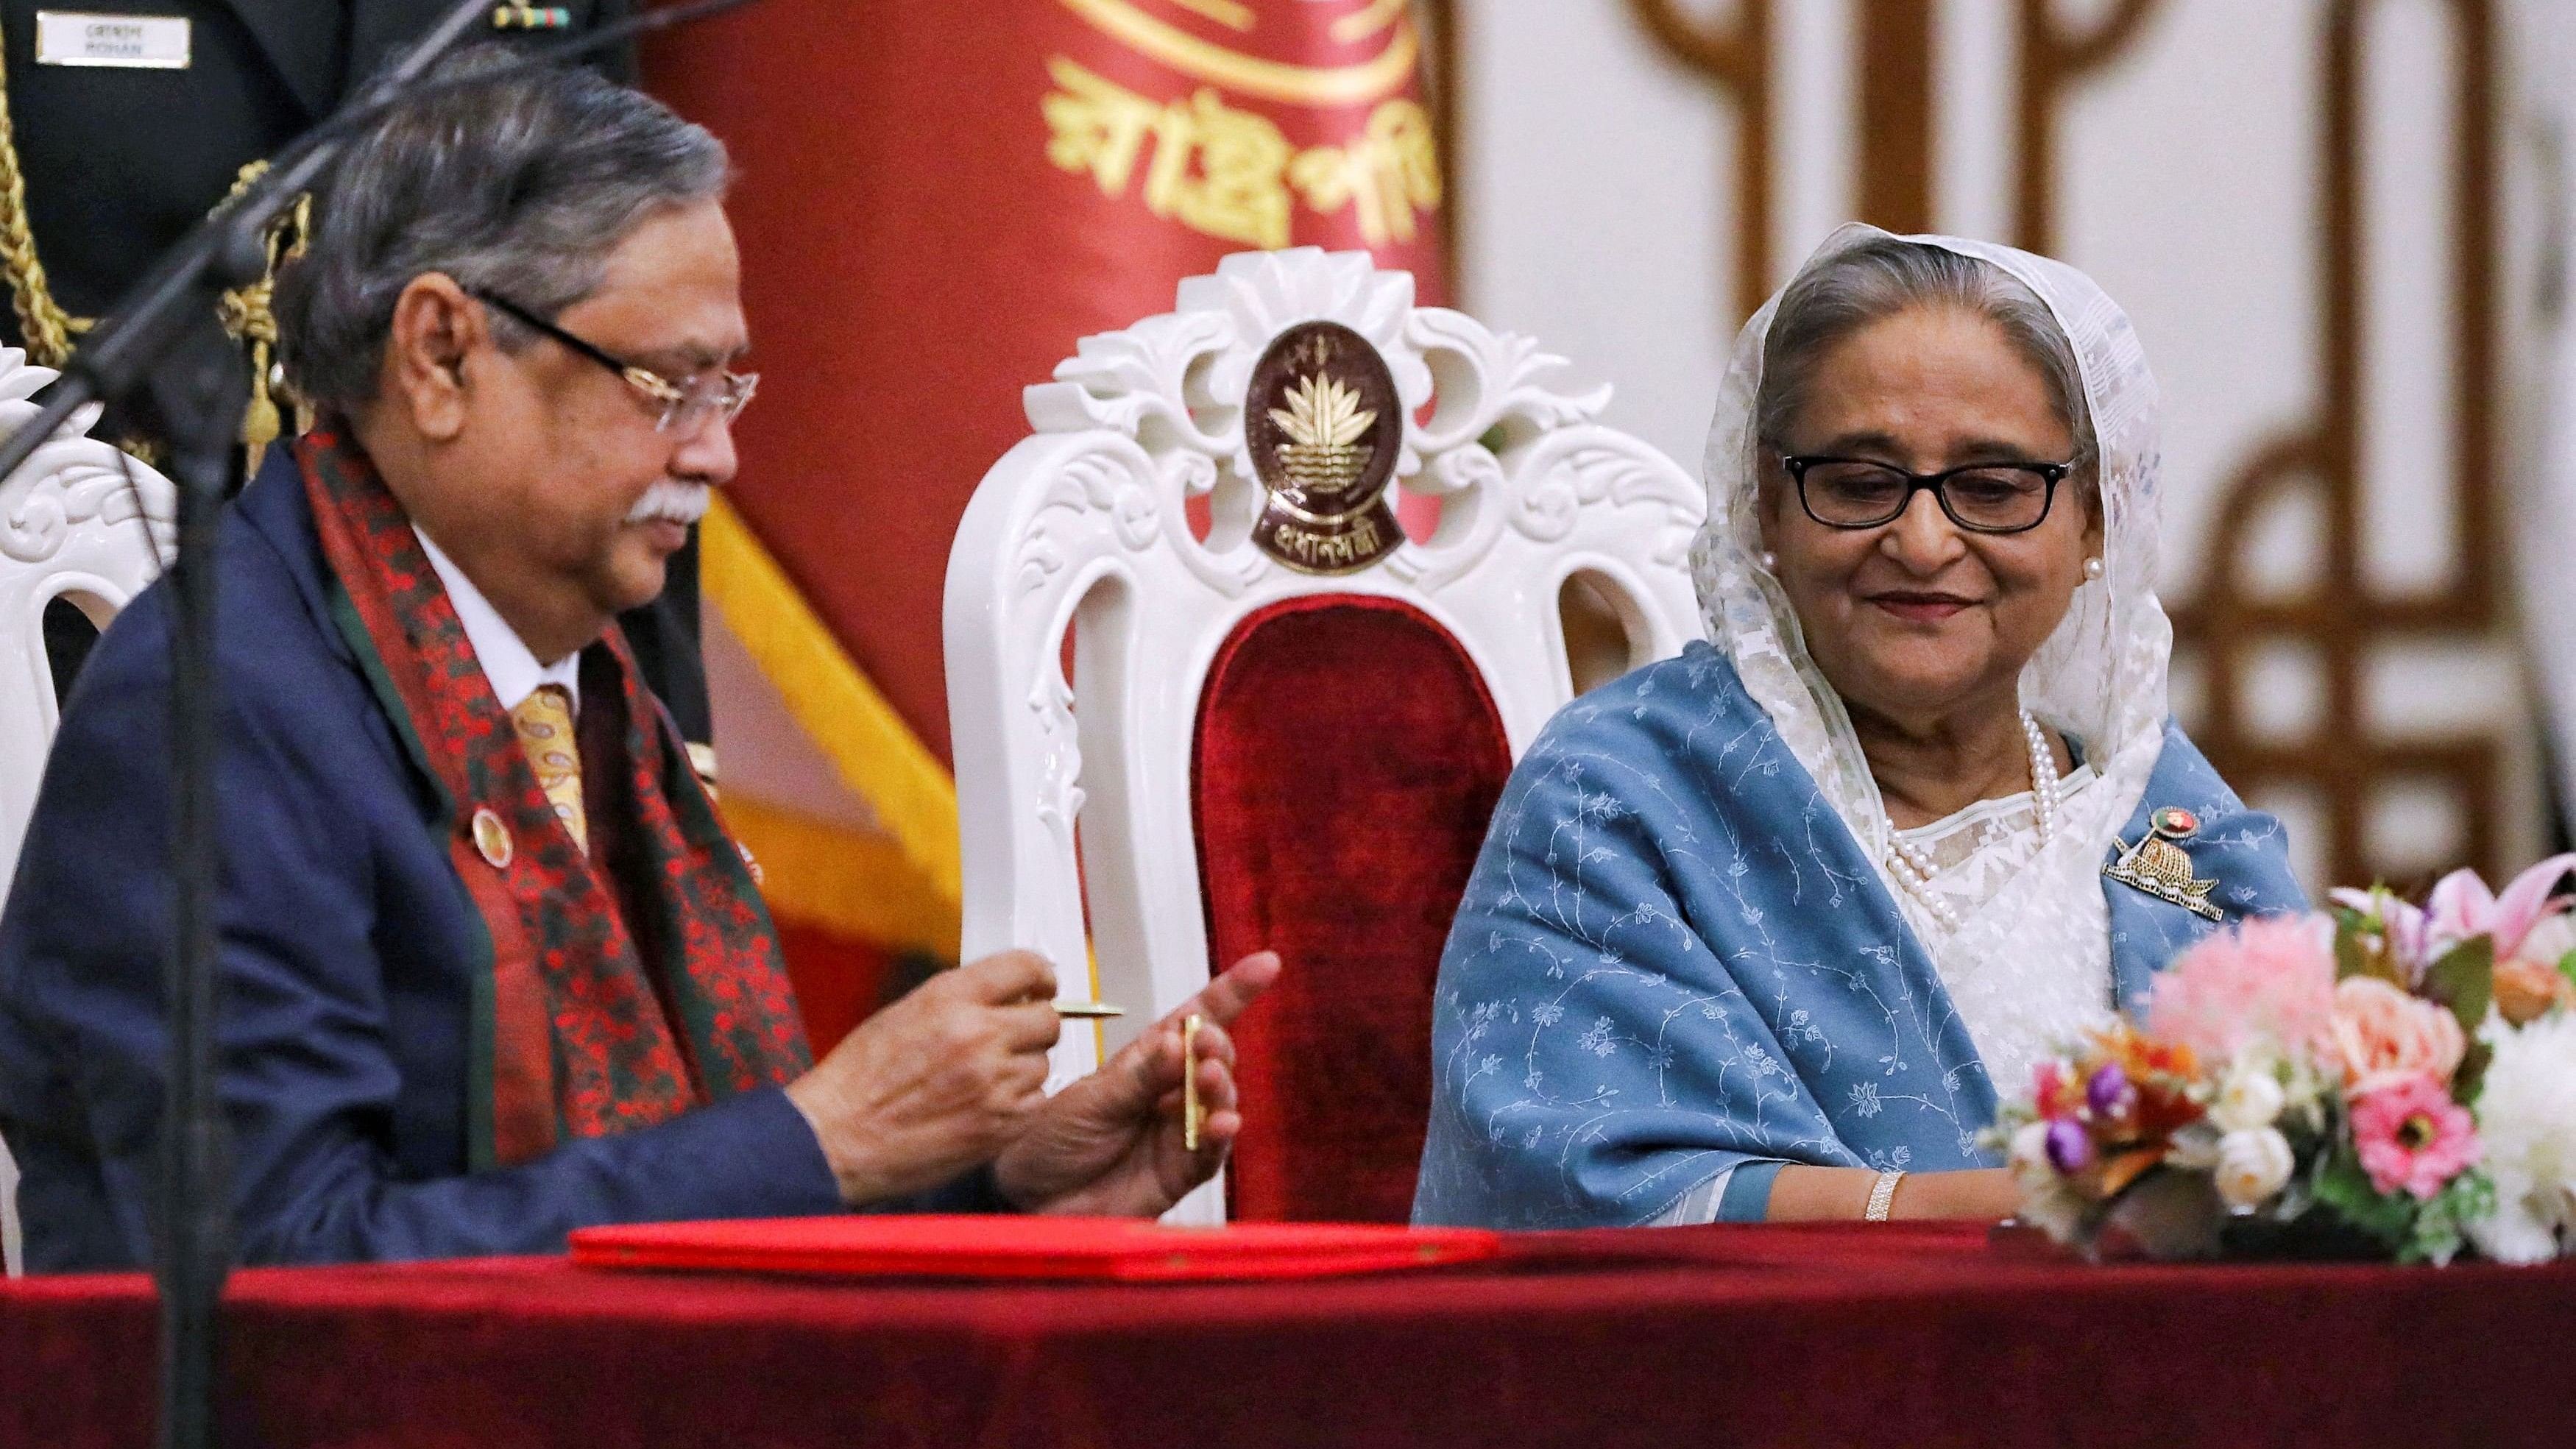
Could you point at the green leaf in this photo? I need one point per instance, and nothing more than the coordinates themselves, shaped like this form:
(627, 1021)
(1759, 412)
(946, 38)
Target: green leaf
(2348, 953)
(2344, 1189)
(2440, 1230)
(2464, 980)
(2472, 1073)
(2567, 965)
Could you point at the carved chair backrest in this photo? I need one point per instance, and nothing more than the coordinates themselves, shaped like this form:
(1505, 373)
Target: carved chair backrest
(83, 522)
(1293, 392)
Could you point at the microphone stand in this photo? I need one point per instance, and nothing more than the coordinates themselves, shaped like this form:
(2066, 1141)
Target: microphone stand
(197, 394)
(197, 398)
(165, 347)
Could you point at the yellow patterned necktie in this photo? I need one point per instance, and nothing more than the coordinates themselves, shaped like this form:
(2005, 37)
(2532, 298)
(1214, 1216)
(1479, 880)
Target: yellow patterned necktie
(544, 721)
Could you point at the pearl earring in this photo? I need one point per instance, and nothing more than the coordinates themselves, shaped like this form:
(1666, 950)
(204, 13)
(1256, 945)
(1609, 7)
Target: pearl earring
(2092, 568)
(1770, 560)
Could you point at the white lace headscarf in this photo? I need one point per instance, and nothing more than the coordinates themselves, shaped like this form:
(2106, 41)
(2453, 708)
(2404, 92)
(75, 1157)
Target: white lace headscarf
(2100, 677)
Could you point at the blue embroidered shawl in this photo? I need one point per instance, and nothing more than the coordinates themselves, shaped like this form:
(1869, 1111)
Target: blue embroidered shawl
(1673, 960)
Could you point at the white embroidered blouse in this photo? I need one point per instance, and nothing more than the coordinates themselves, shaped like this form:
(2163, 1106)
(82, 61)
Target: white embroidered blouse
(2017, 1003)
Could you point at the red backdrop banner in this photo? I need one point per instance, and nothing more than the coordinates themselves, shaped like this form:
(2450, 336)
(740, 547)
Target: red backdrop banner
(936, 201)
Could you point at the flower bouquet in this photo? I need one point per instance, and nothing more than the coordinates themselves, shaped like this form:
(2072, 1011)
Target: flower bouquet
(2376, 1080)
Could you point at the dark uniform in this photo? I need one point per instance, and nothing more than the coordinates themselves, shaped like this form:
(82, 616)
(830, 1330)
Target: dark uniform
(119, 163)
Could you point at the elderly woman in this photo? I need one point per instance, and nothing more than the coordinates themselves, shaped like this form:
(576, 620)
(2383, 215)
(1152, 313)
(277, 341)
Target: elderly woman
(1762, 931)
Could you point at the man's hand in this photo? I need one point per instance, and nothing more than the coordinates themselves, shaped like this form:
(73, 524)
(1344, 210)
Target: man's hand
(1111, 1144)
(937, 1082)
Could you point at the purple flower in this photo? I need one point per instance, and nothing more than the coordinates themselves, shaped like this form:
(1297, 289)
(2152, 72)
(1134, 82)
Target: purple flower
(2109, 1093)
(2070, 1147)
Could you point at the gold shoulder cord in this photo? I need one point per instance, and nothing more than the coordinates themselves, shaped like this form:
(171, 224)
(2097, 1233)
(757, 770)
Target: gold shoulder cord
(250, 319)
(246, 313)
(47, 328)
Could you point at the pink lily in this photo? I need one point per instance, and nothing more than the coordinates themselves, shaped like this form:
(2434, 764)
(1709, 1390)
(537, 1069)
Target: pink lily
(2461, 907)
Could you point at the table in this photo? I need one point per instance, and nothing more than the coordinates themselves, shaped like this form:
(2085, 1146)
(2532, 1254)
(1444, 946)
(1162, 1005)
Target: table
(1851, 1334)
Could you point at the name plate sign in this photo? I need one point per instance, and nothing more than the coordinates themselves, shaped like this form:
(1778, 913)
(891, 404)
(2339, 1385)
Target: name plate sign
(132, 42)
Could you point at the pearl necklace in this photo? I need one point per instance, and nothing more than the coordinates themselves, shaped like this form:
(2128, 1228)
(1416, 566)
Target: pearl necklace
(1912, 866)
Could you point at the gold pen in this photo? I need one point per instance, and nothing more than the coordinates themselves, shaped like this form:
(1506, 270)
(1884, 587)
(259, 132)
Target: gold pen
(1087, 1010)
(1190, 1082)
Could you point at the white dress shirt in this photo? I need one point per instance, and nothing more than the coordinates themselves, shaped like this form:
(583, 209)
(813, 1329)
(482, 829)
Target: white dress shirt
(507, 661)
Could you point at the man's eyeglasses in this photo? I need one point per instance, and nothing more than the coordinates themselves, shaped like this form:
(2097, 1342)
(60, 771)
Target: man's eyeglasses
(685, 405)
(1982, 497)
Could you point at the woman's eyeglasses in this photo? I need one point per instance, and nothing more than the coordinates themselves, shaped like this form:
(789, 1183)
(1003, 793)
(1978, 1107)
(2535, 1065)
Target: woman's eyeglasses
(1981, 497)
(685, 405)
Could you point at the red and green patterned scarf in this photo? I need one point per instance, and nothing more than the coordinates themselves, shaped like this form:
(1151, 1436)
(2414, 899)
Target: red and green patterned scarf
(577, 1032)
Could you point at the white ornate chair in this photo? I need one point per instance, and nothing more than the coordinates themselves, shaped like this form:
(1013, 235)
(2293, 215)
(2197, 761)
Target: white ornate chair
(80, 522)
(1261, 752)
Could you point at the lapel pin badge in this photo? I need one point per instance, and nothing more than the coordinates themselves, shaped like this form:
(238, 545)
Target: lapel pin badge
(492, 838)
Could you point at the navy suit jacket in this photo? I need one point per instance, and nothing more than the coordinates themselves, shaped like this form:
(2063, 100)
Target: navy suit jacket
(346, 945)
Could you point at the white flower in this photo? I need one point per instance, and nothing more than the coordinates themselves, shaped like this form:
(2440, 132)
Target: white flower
(2517, 1233)
(2048, 1201)
(2194, 1148)
(2550, 940)
(2527, 1120)
(2252, 1166)
(2029, 1155)
(2251, 1099)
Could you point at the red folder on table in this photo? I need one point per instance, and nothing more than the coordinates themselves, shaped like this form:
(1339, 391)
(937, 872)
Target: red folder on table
(1115, 1249)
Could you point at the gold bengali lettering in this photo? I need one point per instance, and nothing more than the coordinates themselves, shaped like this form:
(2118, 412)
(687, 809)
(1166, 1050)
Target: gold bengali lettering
(1299, 85)
(1343, 548)
(1390, 171)
(1363, 24)
(1217, 170)
(1229, 172)
(1095, 125)
(1229, 13)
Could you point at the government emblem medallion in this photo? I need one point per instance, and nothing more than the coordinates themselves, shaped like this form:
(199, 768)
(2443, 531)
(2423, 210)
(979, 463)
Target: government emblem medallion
(1324, 425)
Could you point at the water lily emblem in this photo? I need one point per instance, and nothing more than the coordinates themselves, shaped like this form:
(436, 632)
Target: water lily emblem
(1323, 413)
(1324, 423)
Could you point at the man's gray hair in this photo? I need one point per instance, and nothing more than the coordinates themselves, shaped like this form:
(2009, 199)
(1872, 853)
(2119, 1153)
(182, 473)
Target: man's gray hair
(1887, 275)
(522, 185)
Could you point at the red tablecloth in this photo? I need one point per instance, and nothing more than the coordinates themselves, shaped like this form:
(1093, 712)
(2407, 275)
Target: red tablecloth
(1847, 1336)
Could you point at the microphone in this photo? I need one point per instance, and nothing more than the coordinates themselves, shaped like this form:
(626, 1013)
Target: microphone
(166, 334)
(227, 249)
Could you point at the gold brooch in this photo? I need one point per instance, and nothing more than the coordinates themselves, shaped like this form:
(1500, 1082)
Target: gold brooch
(2159, 867)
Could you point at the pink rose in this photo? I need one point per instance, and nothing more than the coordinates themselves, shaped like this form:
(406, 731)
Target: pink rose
(2411, 1135)
(2382, 1034)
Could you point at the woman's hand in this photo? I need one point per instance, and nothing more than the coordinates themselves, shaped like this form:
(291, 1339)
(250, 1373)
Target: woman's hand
(1803, 1194)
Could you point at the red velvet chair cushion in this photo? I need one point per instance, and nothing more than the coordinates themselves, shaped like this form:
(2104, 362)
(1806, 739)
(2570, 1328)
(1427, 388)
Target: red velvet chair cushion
(1347, 763)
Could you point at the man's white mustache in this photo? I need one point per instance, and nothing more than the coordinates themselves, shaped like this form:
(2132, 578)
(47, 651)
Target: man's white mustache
(676, 502)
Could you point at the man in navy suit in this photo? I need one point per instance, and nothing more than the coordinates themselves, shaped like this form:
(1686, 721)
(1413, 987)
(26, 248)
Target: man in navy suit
(489, 969)
(119, 158)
